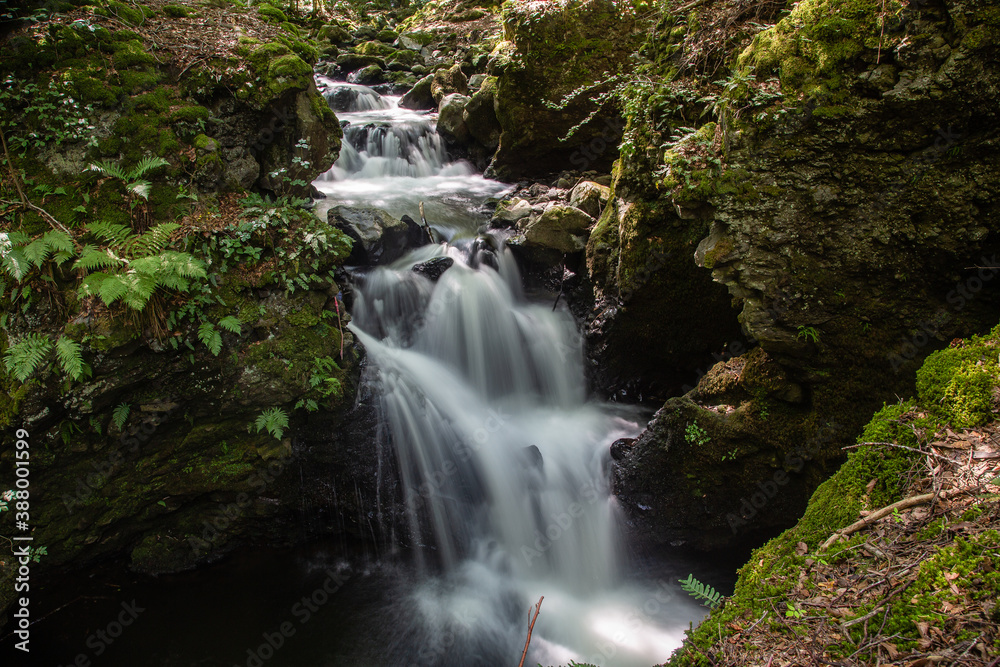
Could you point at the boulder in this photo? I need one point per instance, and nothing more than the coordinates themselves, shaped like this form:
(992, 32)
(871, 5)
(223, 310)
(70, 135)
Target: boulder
(558, 231)
(378, 237)
(374, 48)
(368, 76)
(533, 68)
(352, 62)
(512, 210)
(433, 268)
(448, 81)
(414, 41)
(334, 34)
(590, 197)
(451, 121)
(480, 115)
(419, 98)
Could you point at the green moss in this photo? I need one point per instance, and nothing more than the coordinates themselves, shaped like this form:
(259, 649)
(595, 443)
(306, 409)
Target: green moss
(130, 14)
(191, 114)
(176, 11)
(131, 54)
(158, 101)
(958, 382)
(272, 14)
(374, 49)
(135, 82)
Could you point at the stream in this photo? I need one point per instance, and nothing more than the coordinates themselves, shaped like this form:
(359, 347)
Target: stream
(502, 455)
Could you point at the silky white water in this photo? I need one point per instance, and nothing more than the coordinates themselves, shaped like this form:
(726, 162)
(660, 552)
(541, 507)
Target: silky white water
(502, 457)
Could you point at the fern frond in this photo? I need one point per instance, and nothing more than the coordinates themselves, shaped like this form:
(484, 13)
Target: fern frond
(70, 354)
(109, 169)
(155, 240)
(146, 164)
(92, 257)
(112, 288)
(120, 415)
(117, 235)
(25, 356)
(212, 339)
(140, 188)
(15, 264)
(274, 420)
(699, 591)
(231, 324)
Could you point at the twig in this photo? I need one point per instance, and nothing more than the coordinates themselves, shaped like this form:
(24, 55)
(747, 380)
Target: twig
(905, 503)
(531, 627)
(909, 449)
(20, 191)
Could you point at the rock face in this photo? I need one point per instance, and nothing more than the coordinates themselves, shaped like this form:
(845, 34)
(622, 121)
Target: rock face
(559, 230)
(378, 237)
(446, 82)
(451, 119)
(590, 198)
(844, 225)
(481, 117)
(552, 49)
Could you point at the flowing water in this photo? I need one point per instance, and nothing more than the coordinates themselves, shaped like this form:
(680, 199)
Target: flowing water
(483, 405)
(502, 456)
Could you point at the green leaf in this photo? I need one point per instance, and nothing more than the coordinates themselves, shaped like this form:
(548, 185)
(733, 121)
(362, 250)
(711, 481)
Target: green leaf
(25, 356)
(70, 354)
(120, 415)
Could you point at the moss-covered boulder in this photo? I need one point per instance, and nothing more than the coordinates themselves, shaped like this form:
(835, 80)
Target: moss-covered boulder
(419, 97)
(448, 82)
(551, 49)
(481, 117)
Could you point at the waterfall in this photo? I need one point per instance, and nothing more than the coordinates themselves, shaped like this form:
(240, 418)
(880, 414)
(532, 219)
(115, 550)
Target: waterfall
(502, 457)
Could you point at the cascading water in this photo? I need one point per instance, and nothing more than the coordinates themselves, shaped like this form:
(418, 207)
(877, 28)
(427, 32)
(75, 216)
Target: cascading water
(501, 455)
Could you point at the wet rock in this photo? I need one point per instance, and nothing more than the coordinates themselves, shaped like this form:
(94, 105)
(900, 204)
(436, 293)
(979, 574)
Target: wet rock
(448, 81)
(368, 76)
(378, 237)
(451, 121)
(419, 98)
(432, 269)
(621, 447)
(590, 198)
(481, 117)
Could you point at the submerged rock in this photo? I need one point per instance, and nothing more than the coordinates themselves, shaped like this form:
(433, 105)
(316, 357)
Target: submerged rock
(432, 269)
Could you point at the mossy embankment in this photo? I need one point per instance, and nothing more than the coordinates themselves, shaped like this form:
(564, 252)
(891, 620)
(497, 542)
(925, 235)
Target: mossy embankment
(926, 576)
(173, 414)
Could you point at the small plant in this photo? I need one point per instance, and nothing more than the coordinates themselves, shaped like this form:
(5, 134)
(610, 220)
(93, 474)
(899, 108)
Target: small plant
(120, 415)
(731, 455)
(132, 179)
(708, 596)
(809, 334)
(273, 420)
(792, 611)
(696, 435)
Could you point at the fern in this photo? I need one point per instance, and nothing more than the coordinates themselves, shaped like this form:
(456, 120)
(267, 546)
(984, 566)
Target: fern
(120, 415)
(70, 354)
(231, 324)
(131, 268)
(25, 356)
(699, 591)
(273, 420)
(20, 252)
(132, 179)
(209, 335)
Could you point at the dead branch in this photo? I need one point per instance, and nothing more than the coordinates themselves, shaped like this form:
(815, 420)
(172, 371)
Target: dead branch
(25, 202)
(531, 627)
(905, 503)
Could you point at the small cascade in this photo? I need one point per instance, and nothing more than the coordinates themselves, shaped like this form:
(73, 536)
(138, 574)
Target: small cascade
(394, 159)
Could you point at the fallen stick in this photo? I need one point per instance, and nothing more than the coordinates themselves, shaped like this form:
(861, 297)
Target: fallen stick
(905, 503)
(531, 627)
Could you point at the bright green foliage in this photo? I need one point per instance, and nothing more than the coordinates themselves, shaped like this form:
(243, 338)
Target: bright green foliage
(35, 115)
(958, 381)
(25, 356)
(696, 435)
(19, 252)
(120, 415)
(231, 324)
(70, 355)
(322, 378)
(135, 266)
(210, 336)
(273, 420)
(710, 597)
